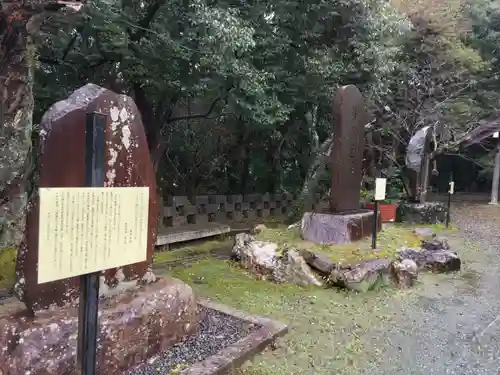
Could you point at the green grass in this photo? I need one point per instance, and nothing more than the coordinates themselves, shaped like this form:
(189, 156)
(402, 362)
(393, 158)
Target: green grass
(325, 325)
(330, 331)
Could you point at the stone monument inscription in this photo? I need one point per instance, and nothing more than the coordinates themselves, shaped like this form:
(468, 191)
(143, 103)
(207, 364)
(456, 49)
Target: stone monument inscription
(85, 230)
(350, 116)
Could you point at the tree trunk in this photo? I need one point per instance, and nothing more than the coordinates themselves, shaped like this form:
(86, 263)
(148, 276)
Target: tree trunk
(16, 91)
(315, 172)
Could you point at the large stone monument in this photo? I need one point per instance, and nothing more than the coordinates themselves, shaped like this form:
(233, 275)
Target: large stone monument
(344, 221)
(417, 210)
(140, 315)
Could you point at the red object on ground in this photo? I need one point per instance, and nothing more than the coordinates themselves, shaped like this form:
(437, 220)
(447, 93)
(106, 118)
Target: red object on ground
(387, 211)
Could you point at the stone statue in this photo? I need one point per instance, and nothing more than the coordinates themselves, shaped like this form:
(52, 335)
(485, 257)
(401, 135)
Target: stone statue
(418, 157)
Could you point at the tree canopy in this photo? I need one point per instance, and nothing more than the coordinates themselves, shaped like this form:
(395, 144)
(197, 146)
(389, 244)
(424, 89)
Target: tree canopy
(236, 96)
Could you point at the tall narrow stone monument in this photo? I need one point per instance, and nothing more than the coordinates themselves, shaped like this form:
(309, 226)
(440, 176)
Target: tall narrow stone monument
(350, 118)
(344, 221)
(140, 315)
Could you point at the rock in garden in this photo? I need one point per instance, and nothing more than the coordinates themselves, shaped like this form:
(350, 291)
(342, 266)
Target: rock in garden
(259, 228)
(363, 276)
(439, 243)
(62, 164)
(259, 257)
(434, 260)
(424, 232)
(292, 268)
(405, 272)
(133, 327)
(421, 213)
(265, 259)
(320, 263)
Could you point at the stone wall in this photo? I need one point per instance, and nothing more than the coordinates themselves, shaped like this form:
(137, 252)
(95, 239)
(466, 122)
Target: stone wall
(180, 210)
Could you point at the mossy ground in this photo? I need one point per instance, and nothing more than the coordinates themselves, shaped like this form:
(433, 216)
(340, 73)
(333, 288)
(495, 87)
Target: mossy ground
(330, 331)
(194, 249)
(388, 241)
(7, 268)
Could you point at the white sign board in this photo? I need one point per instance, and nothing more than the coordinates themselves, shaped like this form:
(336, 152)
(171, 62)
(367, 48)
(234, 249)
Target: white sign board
(380, 184)
(495, 135)
(452, 187)
(85, 230)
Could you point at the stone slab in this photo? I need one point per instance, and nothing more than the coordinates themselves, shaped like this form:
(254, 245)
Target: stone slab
(190, 232)
(350, 118)
(134, 326)
(327, 228)
(127, 164)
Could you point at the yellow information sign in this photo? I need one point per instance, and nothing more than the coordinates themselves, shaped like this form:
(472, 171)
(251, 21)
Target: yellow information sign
(84, 230)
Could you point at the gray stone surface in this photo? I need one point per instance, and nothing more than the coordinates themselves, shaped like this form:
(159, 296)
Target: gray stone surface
(190, 232)
(266, 260)
(424, 232)
(405, 272)
(321, 264)
(438, 260)
(327, 228)
(364, 276)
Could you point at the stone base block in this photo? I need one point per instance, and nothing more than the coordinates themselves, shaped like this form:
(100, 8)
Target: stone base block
(134, 326)
(421, 213)
(338, 228)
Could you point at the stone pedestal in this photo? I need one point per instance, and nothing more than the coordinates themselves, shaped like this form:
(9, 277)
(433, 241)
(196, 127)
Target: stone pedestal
(421, 213)
(337, 228)
(134, 326)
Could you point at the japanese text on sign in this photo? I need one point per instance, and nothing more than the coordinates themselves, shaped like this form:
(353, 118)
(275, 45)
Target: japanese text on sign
(84, 230)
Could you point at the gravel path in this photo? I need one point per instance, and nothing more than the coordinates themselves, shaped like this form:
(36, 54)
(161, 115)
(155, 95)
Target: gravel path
(451, 325)
(217, 331)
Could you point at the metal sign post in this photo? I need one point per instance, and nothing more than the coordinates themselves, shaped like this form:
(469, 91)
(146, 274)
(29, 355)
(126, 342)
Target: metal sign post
(95, 126)
(496, 172)
(380, 186)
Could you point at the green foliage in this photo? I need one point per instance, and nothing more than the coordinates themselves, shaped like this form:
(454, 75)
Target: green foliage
(225, 89)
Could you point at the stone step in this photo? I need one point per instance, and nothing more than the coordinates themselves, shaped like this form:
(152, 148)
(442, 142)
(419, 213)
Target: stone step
(189, 232)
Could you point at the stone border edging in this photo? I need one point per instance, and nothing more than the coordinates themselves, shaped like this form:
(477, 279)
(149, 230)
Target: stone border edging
(236, 354)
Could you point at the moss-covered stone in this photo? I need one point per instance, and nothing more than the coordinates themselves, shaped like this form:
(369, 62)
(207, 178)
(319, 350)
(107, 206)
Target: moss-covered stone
(7, 268)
